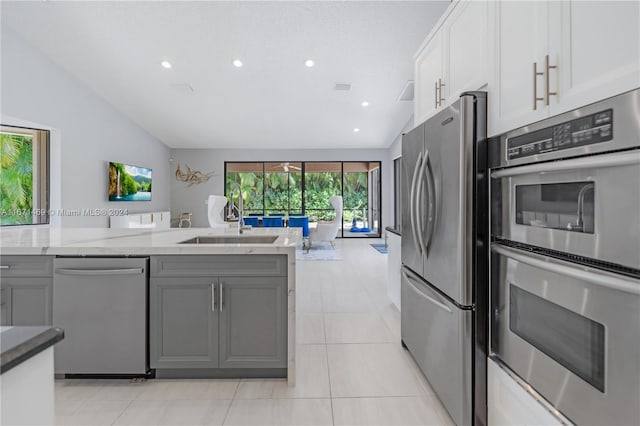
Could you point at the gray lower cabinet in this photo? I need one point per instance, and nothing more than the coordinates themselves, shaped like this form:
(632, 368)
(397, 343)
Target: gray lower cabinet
(184, 323)
(26, 301)
(218, 312)
(26, 290)
(253, 322)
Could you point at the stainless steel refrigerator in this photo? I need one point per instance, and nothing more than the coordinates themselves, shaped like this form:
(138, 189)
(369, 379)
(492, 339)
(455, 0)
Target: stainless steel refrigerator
(444, 239)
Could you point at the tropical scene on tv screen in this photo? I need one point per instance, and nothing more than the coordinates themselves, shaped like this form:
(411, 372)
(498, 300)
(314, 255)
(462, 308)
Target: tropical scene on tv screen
(129, 183)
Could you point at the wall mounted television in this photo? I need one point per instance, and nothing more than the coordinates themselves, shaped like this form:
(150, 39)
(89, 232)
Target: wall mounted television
(129, 183)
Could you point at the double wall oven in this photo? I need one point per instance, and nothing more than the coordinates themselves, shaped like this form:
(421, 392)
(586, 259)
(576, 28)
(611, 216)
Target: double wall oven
(565, 260)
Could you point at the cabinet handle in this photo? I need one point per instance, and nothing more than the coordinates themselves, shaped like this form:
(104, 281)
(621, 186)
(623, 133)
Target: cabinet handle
(95, 272)
(441, 98)
(535, 86)
(213, 297)
(548, 67)
(436, 96)
(5, 266)
(221, 297)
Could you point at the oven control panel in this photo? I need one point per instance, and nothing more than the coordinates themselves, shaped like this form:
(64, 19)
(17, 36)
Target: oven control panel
(589, 130)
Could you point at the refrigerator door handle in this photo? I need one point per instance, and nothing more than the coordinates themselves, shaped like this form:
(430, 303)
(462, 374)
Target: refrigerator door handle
(412, 205)
(419, 202)
(439, 304)
(431, 187)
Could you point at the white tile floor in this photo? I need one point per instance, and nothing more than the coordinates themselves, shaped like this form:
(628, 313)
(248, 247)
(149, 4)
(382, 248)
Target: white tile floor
(351, 367)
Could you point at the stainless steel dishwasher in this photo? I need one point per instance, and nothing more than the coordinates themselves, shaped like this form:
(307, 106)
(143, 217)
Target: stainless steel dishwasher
(101, 304)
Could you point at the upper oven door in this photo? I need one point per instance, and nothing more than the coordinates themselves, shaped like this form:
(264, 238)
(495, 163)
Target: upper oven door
(571, 332)
(587, 206)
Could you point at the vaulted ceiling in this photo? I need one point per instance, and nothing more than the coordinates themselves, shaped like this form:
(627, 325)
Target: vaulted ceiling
(273, 100)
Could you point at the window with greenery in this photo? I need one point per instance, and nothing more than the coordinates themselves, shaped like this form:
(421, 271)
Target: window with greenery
(322, 181)
(24, 176)
(306, 188)
(283, 188)
(250, 177)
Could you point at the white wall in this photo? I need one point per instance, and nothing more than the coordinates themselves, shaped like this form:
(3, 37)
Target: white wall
(192, 199)
(87, 131)
(395, 150)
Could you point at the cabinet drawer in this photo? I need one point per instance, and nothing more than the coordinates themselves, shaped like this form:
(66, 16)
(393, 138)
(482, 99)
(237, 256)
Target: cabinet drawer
(26, 266)
(228, 265)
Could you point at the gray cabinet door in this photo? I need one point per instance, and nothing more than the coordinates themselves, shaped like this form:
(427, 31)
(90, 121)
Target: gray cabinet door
(26, 301)
(253, 322)
(184, 322)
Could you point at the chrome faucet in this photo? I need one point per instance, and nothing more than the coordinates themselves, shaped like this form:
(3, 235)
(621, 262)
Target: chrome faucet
(579, 226)
(240, 205)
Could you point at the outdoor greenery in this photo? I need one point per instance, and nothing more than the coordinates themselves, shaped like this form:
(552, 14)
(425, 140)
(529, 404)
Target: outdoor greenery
(283, 192)
(16, 179)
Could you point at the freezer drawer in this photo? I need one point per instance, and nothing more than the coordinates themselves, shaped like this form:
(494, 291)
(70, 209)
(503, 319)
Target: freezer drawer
(438, 335)
(101, 304)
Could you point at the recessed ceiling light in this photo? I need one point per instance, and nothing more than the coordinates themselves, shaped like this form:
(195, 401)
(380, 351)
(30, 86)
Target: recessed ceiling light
(356, 130)
(237, 63)
(165, 64)
(309, 63)
(365, 104)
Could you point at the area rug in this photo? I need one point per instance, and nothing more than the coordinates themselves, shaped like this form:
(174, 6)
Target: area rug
(319, 251)
(381, 248)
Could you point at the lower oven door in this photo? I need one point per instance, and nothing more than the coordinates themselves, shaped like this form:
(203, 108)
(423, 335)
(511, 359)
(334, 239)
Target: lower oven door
(586, 206)
(571, 332)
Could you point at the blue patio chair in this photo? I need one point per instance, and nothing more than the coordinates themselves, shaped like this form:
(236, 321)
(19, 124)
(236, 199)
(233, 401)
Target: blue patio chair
(272, 222)
(300, 222)
(253, 221)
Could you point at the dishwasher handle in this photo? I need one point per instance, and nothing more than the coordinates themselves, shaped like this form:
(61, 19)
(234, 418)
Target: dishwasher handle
(98, 272)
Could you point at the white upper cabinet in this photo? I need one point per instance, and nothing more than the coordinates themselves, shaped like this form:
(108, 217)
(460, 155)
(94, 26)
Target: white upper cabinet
(597, 49)
(428, 69)
(582, 51)
(520, 41)
(466, 41)
(539, 58)
(453, 60)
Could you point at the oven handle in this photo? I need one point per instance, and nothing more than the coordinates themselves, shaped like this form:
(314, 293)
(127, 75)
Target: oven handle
(558, 267)
(595, 162)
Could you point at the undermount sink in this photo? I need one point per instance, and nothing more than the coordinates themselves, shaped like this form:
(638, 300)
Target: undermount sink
(232, 239)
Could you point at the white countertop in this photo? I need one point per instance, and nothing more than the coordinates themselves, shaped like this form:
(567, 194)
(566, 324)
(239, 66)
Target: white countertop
(123, 242)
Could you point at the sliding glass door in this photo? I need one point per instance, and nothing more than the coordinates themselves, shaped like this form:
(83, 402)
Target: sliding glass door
(306, 188)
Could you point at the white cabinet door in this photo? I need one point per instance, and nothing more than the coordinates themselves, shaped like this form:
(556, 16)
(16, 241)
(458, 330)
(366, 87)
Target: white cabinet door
(508, 403)
(428, 70)
(598, 48)
(466, 49)
(521, 39)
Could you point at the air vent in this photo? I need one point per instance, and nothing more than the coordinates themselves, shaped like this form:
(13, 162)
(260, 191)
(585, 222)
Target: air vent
(407, 92)
(342, 86)
(182, 87)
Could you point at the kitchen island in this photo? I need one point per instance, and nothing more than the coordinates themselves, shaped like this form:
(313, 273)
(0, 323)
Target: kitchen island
(229, 263)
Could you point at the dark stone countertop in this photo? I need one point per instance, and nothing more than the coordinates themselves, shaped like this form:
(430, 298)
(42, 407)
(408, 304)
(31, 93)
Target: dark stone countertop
(393, 230)
(18, 344)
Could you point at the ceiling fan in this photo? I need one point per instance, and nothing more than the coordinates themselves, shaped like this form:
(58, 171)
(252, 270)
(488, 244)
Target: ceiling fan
(286, 166)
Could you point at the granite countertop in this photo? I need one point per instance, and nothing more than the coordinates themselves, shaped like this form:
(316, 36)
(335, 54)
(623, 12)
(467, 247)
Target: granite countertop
(123, 242)
(18, 344)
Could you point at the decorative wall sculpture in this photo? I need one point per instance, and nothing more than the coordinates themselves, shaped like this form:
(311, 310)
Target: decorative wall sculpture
(192, 177)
